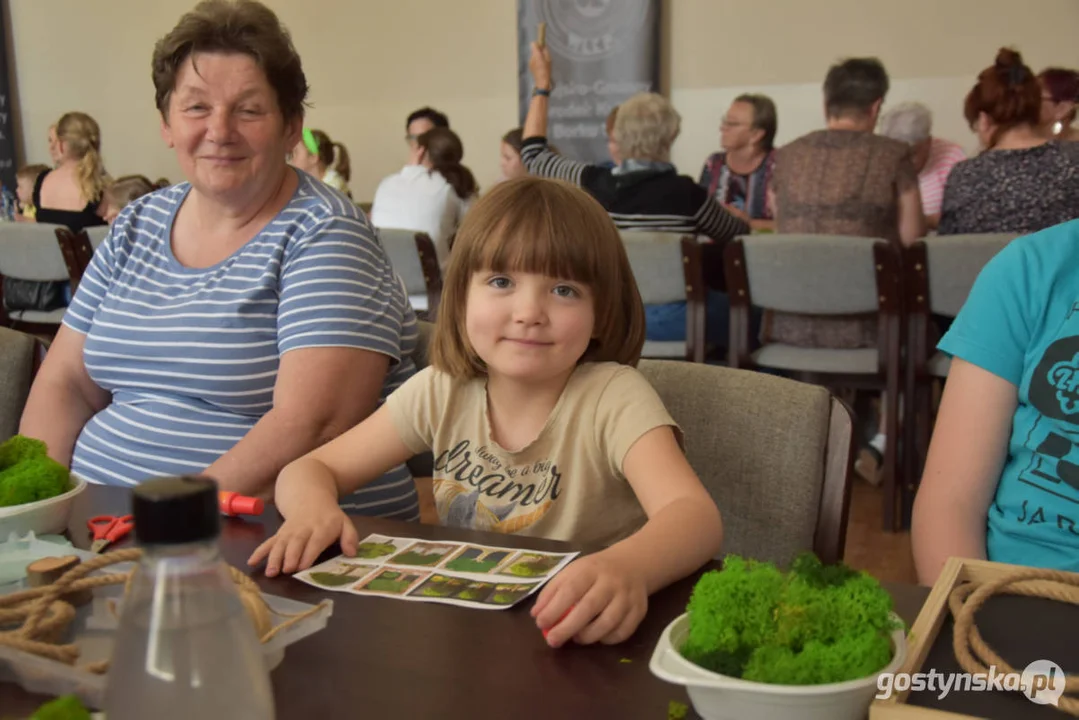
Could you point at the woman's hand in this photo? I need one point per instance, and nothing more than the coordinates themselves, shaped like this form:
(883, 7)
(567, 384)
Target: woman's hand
(303, 537)
(539, 64)
(595, 599)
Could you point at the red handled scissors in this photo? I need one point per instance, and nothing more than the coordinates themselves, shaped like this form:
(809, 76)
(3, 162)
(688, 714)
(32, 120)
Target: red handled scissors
(108, 529)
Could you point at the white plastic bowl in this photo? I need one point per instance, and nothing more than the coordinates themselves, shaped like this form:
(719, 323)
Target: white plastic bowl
(719, 697)
(44, 517)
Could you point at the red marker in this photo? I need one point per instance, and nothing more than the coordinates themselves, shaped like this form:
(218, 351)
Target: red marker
(558, 621)
(233, 504)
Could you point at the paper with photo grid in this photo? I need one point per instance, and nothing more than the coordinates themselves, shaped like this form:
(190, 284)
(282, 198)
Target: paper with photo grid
(443, 571)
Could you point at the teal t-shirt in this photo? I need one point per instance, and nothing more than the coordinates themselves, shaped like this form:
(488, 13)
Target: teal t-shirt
(1021, 323)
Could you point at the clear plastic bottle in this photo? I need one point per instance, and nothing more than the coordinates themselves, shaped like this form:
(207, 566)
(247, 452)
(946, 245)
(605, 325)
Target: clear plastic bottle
(185, 648)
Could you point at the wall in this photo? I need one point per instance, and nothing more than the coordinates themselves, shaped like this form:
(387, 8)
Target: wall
(370, 62)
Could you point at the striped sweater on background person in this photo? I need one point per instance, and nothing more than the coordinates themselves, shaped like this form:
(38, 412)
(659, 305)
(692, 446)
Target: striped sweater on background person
(657, 199)
(191, 355)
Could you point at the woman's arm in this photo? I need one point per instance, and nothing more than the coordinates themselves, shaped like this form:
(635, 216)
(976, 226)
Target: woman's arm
(718, 223)
(606, 593)
(966, 457)
(911, 219)
(63, 397)
(319, 394)
(535, 155)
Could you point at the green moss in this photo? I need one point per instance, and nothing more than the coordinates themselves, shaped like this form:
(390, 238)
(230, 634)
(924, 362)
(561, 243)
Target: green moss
(28, 474)
(815, 624)
(415, 558)
(66, 707)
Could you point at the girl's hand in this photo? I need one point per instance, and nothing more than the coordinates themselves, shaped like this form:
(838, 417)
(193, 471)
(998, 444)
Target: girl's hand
(539, 64)
(602, 600)
(303, 537)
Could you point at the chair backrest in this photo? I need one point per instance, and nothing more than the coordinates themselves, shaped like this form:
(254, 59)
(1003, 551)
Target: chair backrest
(31, 251)
(667, 268)
(775, 455)
(20, 356)
(97, 234)
(413, 257)
(811, 274)
(947, 266)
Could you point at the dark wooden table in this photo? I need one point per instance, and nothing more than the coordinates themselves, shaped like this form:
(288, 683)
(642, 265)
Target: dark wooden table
(383, 658)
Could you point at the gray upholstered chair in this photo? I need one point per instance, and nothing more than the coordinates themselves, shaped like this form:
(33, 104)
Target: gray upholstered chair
(667, 268)
(414, 258)
(940, 271)
(31, 251)
(826, 275)
(97, 235)
(775, 454)
(20, 356)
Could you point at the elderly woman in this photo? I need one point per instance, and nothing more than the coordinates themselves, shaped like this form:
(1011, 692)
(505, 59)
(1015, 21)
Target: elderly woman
(231, 323)
(933, 157)
(738, 176)
(643, 192)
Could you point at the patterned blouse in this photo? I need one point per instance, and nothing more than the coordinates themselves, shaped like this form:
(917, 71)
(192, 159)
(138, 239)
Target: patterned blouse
(1013, 191)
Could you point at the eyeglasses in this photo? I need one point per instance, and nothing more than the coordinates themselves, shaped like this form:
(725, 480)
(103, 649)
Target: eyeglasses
(725, 123)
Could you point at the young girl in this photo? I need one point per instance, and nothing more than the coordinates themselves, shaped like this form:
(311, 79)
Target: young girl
(538, 421)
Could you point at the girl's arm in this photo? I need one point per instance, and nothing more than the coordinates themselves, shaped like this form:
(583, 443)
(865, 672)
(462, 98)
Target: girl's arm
(308, 489)
(966, 457)
(606, 594)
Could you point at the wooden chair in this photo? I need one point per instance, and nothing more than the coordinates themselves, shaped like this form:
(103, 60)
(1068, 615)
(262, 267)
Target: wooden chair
(775, 454)
(826, 275)
(955, 261)
(414, 258)
(667, 268)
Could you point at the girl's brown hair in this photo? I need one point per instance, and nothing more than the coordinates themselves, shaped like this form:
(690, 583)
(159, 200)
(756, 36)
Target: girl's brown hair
(1008, 93)
(82, 137)
(333, 155)
(445, 152)
(552, 228)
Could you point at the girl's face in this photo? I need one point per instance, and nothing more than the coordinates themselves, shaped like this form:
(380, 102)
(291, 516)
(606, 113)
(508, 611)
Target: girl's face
(510, 163)
(24, 190)
(529, 327)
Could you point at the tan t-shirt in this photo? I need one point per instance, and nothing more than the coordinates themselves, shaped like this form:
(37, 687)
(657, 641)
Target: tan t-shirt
(566, 485)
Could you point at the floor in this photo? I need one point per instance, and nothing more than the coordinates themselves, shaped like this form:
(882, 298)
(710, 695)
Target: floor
(886, 556)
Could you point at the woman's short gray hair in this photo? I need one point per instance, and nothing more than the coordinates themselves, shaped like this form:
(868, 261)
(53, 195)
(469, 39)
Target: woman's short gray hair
(646, 127)
(909, 122)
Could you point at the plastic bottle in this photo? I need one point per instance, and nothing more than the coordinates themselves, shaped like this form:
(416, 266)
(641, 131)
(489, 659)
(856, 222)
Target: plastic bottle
(185, 648)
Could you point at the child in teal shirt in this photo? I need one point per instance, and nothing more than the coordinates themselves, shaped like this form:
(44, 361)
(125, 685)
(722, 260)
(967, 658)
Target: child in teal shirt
(1002, 477)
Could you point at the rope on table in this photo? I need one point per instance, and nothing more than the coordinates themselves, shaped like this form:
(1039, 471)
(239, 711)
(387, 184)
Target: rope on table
(44, 616)
(971, 650)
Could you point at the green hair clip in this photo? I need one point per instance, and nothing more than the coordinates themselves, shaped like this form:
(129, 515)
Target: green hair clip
(309, 141)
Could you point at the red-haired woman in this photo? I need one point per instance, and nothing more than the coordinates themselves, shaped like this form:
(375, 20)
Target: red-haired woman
(1023, 182)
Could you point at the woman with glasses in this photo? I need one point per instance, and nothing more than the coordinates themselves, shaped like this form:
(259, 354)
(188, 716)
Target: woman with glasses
(739, 176)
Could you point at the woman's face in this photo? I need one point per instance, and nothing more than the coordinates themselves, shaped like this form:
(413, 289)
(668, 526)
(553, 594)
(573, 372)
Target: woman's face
(226, 127)
(303, 159)
(510, 162)
(55, 152)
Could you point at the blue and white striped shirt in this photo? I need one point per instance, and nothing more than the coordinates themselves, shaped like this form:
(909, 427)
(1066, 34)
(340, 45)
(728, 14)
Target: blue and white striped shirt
(191, 355)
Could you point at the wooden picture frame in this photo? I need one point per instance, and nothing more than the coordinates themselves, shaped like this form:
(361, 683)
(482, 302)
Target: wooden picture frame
(923, 634)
